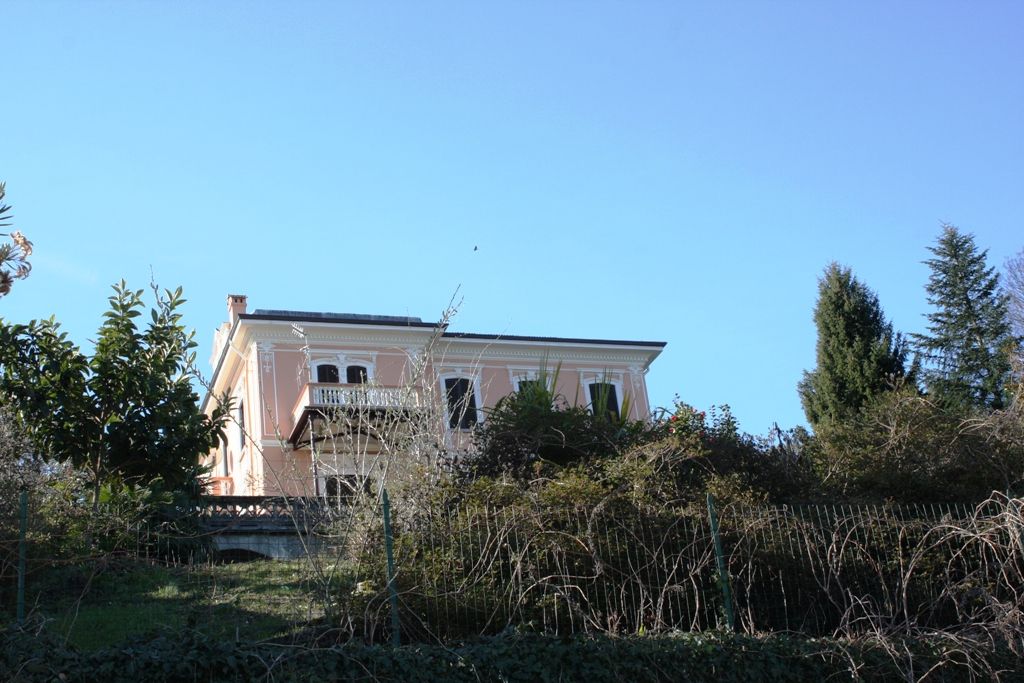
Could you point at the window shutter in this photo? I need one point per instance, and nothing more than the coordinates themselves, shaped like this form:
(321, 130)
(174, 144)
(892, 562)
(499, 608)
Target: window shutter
(327, 374)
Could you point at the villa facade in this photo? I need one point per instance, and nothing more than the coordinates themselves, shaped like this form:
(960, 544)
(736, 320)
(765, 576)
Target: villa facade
(321, 401)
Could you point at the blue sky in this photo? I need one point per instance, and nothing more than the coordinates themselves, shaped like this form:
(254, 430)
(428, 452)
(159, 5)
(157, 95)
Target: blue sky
(672, 171)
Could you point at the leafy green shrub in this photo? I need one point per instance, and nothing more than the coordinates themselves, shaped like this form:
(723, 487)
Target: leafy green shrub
(536, 429)
(713, 656)
(129, 412)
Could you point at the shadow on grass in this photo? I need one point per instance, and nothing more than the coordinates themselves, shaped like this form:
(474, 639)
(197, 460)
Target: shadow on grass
(97, 606)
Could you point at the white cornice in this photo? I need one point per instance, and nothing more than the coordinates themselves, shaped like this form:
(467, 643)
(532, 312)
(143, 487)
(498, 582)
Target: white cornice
(374, 339)
(546, 353)
(499, 349)
(279, 336)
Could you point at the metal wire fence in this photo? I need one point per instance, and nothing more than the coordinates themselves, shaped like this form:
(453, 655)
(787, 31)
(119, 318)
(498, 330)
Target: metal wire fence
(818, 570)
(464, 571)
(100, 578)
(482, 570)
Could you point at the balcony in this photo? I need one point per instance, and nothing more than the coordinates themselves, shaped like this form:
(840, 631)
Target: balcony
(347, 399)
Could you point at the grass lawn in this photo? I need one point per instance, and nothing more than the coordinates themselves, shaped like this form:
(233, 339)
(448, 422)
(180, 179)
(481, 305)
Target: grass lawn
(248, 600)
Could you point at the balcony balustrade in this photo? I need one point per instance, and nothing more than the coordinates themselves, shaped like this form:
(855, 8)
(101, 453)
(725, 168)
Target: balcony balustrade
(260, 514)
(330, 399)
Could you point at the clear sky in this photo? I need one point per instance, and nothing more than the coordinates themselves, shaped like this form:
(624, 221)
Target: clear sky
(673, 171)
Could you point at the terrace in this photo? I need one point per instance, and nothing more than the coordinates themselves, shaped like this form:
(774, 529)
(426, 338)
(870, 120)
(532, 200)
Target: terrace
(332, 400)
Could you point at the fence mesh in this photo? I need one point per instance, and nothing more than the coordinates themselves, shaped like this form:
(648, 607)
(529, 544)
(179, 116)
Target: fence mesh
(817, 570)
(465, 571)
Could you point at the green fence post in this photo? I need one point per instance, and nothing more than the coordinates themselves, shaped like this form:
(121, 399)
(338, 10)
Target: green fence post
(723, 569)
(22, 531)
(396, 633)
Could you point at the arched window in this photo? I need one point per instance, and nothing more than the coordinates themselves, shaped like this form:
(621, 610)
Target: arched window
(355, 374)
(327, 374)
(461, 396)
(603, 399)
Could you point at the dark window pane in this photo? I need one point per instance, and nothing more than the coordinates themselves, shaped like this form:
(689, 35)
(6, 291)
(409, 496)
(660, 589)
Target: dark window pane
(241, 424)
(529, 386)
(327, 374)
(461, 403)
(355, 374)
(340, 489)
(603, 398)
(469, 419)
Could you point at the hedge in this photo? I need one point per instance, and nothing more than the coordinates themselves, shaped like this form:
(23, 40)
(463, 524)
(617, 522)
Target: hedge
(709, 656)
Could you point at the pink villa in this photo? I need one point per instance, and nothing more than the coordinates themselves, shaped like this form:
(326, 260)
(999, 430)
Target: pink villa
(321, 399)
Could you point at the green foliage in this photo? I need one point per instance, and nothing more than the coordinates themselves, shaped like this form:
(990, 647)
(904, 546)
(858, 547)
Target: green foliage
(969, 340)
(127, 414)
(713, 656)
(97, 605)
(18, 469)
(912, 448)
(41, 373)
(14, 264)
(66, 535)
(674, 460)
(858, 356)
(537, 427)
(704, 452)
(875, 436)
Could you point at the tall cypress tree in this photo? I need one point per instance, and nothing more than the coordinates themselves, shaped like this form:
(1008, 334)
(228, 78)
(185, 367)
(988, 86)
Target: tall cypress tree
(858, 356)
(966, 347)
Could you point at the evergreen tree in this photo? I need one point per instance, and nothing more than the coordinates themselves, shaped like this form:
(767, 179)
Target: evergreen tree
(968, 340)
(858, 356)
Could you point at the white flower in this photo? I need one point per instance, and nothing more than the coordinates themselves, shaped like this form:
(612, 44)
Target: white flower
(22, 242)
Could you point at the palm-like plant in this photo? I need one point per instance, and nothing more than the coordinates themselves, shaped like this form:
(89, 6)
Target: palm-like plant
(14, 255)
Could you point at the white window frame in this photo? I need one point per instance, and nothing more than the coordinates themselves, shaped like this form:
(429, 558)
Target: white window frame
(342, 361)
(518, 375)
(224, 465)
(314, 369)
(616, 379)
(358, 364)
(478, 395)
(519, 382)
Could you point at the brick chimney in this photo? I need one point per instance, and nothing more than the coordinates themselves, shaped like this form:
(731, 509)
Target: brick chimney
(236, 306)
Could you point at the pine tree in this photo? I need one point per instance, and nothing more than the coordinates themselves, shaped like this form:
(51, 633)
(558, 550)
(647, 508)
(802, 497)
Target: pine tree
(858, 356)
(966, 347)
